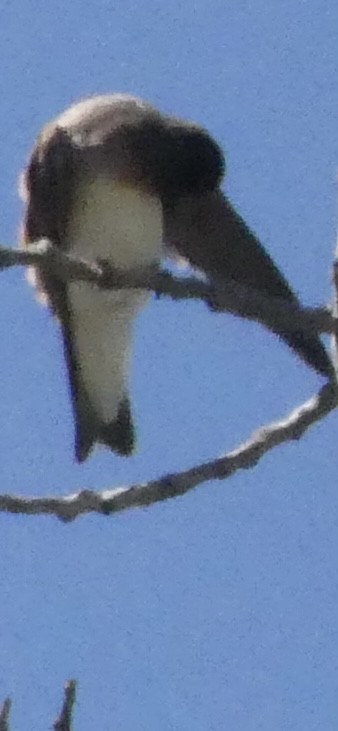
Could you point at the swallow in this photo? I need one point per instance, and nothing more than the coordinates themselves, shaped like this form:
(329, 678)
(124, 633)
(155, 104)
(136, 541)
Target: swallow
(114, 178)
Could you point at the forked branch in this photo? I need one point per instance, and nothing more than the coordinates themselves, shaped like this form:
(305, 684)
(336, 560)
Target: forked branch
(63, 721)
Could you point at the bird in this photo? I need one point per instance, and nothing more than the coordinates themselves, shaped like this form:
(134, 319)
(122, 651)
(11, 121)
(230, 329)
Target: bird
(115, 179)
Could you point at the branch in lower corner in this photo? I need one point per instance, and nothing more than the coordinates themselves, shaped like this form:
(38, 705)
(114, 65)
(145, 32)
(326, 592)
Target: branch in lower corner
(245, 456)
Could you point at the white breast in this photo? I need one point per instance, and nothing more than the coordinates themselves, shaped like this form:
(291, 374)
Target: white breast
(116, 221)
(124, 225)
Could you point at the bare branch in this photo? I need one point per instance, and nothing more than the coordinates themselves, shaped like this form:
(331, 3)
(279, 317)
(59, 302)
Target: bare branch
(247, 455)
(231, 297)
(64, 720)
(335, 306)
(4, 715)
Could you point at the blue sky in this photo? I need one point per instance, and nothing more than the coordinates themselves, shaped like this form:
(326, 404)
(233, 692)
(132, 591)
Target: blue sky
(218, 610)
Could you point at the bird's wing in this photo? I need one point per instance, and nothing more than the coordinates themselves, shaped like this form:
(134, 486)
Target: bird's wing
(50, 180)
(207, 231)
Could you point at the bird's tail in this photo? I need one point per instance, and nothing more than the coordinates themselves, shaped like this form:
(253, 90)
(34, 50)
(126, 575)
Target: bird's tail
(118, 435)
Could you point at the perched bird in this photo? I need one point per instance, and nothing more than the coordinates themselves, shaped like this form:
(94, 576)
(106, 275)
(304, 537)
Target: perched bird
(113, 178)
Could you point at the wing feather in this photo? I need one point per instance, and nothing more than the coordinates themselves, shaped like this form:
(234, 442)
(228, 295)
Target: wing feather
(207, 231)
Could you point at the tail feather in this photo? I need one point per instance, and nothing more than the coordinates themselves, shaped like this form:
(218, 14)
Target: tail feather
(118, 435)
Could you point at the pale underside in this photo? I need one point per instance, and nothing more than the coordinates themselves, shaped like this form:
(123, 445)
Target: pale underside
(123, 224)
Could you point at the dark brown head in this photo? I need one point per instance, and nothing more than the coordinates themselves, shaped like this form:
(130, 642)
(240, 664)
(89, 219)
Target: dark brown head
(127, 137)
(177, 157)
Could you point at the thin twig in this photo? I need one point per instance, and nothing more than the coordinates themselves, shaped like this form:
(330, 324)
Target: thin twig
(64, 720)
(246, 456)
(4, 715)
(335, 307)
(231, 297)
